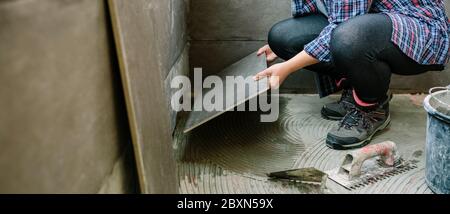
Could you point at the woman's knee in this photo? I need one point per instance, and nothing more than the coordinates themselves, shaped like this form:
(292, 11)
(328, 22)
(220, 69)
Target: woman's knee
(360, 37)
(347, 43)
(287, 38)
(277, 37)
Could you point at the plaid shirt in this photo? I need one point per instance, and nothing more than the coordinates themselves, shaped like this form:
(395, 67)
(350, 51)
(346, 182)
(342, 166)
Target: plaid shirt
(420, 29)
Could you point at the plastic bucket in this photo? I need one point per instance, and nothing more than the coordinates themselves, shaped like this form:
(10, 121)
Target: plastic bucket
(437, 104)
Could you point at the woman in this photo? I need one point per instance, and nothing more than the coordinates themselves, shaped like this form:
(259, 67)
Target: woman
(355, 46)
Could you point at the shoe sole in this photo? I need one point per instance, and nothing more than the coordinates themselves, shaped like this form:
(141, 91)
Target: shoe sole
(362, 143)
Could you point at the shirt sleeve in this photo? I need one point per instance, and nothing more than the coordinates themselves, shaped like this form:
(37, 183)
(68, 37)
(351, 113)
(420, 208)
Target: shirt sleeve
(302, 7)
(339, 11)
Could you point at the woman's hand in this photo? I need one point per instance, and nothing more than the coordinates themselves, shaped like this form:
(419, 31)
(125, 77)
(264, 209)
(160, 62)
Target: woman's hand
(276, 73)
(279, 72)
(271, 56)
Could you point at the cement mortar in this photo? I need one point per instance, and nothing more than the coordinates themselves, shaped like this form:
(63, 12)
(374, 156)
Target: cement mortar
(233, 153)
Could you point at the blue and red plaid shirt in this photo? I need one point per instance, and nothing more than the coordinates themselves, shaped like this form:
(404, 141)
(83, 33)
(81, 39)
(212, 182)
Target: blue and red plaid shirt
(421, 28)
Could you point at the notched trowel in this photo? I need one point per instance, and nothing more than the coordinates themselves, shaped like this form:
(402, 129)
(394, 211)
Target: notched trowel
(369, 165)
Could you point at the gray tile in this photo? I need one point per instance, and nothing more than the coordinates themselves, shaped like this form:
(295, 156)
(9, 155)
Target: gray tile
(235, 19)
(141, 28)
(214, 56)
(180, 68)
(247, 67)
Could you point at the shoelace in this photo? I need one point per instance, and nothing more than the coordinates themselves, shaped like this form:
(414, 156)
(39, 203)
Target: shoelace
(355, 117)
(346, 96)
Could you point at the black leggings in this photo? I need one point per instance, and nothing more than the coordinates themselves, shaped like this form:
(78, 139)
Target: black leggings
(361, 50)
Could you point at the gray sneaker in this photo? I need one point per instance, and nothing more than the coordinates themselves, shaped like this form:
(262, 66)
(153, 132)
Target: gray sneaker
(337, 110)
(358, 127)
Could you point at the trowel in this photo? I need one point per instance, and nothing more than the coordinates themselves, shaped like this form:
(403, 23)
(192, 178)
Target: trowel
(310, 180)
(369, 165)
(304, 175)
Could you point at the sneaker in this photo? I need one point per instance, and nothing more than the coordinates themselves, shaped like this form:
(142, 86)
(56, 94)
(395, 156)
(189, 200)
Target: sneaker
(337, 110)
(358, 127)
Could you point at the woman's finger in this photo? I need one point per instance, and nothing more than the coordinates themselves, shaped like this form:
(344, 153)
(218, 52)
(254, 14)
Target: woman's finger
(274, 82)
(271, 57)
(262, 50)
(262, 74)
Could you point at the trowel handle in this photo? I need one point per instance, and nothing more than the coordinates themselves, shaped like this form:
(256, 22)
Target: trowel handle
(385, 150)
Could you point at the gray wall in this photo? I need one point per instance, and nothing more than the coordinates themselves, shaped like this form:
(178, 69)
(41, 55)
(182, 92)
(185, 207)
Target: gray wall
(63, 126)
(223, 31)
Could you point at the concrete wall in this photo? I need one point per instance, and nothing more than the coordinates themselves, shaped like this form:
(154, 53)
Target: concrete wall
(63, 126)
(221, 32)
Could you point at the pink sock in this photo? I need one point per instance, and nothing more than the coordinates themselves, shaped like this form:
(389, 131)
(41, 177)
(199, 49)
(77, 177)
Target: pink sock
(360, 102)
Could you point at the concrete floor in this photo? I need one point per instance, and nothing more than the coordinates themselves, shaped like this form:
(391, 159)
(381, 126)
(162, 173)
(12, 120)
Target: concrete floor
(233, 153)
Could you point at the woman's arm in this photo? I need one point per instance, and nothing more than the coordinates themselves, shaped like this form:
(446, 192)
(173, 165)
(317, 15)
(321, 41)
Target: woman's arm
(279, 72)
(300, 61)
(318, 49)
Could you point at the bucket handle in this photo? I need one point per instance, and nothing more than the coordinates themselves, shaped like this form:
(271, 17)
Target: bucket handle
(436, 89)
